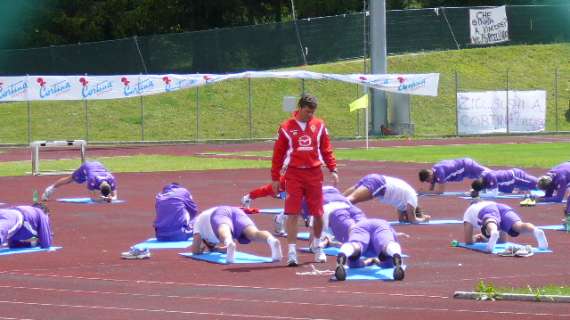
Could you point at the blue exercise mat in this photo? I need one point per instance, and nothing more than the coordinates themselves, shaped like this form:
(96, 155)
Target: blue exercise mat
(303, 235)
(499, 247)
(553, 227)
(370, 273)
(220, 258)
(271, 210)
(434, 222)
(549, 203)
(329, 251)
(152, 243)
(8, 251)
(85, 200)
(445, 194)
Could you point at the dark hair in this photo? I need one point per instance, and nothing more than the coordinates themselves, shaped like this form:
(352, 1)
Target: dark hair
(105, 189)
(424, 175)
(307, 100)
(477, 185)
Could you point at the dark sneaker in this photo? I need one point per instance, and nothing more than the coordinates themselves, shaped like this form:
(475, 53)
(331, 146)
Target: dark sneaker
(340, 271)
(398, 270)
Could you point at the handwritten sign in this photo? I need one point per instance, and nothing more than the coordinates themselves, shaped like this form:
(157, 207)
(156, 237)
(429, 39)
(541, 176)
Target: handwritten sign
(489, 25)
(486, 112)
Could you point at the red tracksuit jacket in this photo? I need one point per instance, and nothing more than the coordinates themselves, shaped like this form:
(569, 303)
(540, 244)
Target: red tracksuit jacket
(300, 148)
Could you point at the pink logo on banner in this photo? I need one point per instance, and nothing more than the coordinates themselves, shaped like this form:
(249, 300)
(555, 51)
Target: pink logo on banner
(83, 81)
(125, 81)
(166, 80)
(363, 78)
(41, 82)
(401, 79)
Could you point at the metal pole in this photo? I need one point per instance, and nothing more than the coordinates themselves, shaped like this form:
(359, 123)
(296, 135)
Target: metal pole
(556, 96)
(197, 111)
(29, 110)
(249, 103)
(508, 101)
(86, 118)
(379, 63)
(142, 116)
(302, 86)
(456, 108)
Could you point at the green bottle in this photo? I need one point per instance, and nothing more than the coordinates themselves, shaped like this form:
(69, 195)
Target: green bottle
(36, 197)
(454, 243)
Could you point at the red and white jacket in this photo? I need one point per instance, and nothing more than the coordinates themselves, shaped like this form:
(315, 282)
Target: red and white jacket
(300, 148)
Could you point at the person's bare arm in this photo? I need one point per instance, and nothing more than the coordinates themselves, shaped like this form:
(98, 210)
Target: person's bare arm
(197, 244)
(468, 233)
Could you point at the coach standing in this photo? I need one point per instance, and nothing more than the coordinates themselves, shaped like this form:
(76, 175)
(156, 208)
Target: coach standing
(302, 146)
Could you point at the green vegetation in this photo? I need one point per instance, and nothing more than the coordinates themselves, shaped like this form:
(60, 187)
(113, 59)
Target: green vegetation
(527, 155)
(223, 108)
(545, 290)
(139, 163)
(539, 155)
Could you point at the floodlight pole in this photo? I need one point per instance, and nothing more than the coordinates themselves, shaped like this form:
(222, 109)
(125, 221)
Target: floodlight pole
(379, 65)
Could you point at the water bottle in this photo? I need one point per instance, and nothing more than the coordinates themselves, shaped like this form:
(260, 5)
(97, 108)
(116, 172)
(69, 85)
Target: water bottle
(36, 197)
(567, 223)
(454, 243)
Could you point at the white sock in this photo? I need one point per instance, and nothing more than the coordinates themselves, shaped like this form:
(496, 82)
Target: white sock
(392, 248)
(347, 249)
(227, 242)
(316, 242)
(540, 238)
(292, 247)
(492, 240)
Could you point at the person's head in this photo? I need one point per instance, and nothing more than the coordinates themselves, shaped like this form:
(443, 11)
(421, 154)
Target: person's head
(307, 106)
(544, 182)
(105, 188)
(425, 175)
(477, 185)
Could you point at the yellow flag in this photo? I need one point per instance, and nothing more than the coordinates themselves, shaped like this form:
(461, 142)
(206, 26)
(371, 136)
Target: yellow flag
(360, 103)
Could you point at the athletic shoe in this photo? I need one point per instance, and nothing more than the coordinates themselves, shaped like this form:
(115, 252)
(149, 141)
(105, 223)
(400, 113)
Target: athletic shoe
(340, 271)
(231, 253)
(279, 222)
(398, 270)
(320, 256)
(246, 201)
(47, 193)
(136, 253)
(292, 259)
(276, 253)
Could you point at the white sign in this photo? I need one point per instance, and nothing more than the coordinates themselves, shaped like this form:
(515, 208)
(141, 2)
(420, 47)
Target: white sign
(489, 25)
(31, 88)
(486, 112)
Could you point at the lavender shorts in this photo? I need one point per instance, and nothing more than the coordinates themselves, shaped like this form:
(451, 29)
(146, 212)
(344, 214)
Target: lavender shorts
(233, 217)
(505, 219)
(373, 235)
(375, 184)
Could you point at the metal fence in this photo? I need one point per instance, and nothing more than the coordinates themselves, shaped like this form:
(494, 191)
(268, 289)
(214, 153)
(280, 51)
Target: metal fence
(243, 109)
(269, 46)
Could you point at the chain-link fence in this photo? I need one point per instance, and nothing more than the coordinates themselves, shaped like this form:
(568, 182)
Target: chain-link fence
(263, 47)
(243, 109)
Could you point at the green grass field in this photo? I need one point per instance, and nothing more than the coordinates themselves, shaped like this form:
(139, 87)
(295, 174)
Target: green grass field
(537, 155)
(223, 109)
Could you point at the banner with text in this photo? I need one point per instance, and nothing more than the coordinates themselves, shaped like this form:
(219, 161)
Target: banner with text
(37, 88)
(486, 112)
(489, 25)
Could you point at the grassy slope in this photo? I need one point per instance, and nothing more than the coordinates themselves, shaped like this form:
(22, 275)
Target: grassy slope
(540, 155)
(223, 108)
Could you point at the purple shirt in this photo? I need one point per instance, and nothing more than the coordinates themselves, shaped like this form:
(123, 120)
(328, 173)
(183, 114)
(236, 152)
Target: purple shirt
(175, 211)
(94, 173)
(507, 180)
(35, 224)
(457, 170)
(560, 180)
